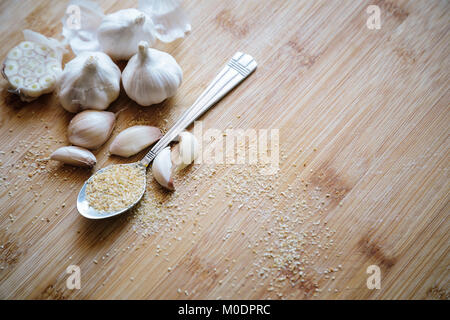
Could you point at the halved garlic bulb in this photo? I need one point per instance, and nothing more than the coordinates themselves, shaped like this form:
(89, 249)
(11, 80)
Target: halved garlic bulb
(90, 129)
(89, 81)
(32, 68)
(151, 76)
(170, 161)
(133, 140)
(119, 33)
(74, 156)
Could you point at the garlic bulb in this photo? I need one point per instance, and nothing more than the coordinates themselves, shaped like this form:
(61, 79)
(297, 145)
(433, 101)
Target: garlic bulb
(90, 81)
(162, 169)
(120, 32)
(87, 28)
(75, 156)
(32, 68)
(133, 140)
(90, 129)
(170, 161)
(151, 76)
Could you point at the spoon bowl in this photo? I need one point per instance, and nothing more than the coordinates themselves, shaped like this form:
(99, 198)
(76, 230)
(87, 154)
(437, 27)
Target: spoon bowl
(89, 212)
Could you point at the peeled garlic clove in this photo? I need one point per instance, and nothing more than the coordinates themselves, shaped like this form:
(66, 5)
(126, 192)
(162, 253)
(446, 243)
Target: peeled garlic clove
(75, 156)
(134, 139)
(162, 169)
(151, 76)
(120, 33)
(168, 16)
(90, 129)
(185, 152)
(32, 68)
(89, 81)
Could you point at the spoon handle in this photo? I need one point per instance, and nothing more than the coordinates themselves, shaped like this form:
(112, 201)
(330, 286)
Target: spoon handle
(236, 70)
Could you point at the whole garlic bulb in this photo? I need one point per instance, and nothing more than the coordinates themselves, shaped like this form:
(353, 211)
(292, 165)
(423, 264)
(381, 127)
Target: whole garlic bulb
(90, 129)
(120, 32)
(89, 81)
(151, 76)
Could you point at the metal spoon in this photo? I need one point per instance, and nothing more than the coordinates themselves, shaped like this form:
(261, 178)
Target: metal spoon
(236, 70)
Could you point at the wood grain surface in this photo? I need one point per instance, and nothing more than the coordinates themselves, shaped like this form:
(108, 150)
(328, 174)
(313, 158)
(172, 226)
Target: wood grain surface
(364, 163)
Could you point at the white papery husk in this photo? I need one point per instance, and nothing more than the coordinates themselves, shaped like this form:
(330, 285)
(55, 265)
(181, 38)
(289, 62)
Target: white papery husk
(165, 18)
(80, 24)
(168, 17)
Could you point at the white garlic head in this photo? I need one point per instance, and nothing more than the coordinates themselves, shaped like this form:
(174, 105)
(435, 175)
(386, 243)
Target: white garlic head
(89, 81)
(151, 76)
(91, 128)
(120, 33)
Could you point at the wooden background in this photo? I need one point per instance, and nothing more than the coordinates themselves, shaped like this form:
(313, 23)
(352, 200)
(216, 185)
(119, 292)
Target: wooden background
(363, 114)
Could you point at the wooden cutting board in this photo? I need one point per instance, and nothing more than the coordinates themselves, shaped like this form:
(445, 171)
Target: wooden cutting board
(363, 118)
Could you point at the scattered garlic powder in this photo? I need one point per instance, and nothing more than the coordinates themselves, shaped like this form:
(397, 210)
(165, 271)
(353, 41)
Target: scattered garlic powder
(116, 188)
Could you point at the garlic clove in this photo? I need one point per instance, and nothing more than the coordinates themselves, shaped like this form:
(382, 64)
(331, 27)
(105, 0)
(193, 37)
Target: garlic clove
(90, 129)
(75, 156)
(32, 68)
(133, 140)
(168, 16)
(89, 81)
(120, 33)
(185, 152)
(162, 169)
(80, 24)
(151, 76)
(170, 161)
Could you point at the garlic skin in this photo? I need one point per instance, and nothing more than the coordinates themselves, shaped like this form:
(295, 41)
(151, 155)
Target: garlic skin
(133, 140)
(151, 76)
(80, 23)
(90, 129)
(120, 33)
(168, 17)
(89, 81)
(170, 161)
(162, 169)
(74, 156)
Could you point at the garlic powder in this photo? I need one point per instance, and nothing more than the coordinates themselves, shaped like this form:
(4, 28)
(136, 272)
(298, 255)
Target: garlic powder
(116, 188)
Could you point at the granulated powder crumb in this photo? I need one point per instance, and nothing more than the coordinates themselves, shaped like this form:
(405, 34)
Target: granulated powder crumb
(116, 188)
